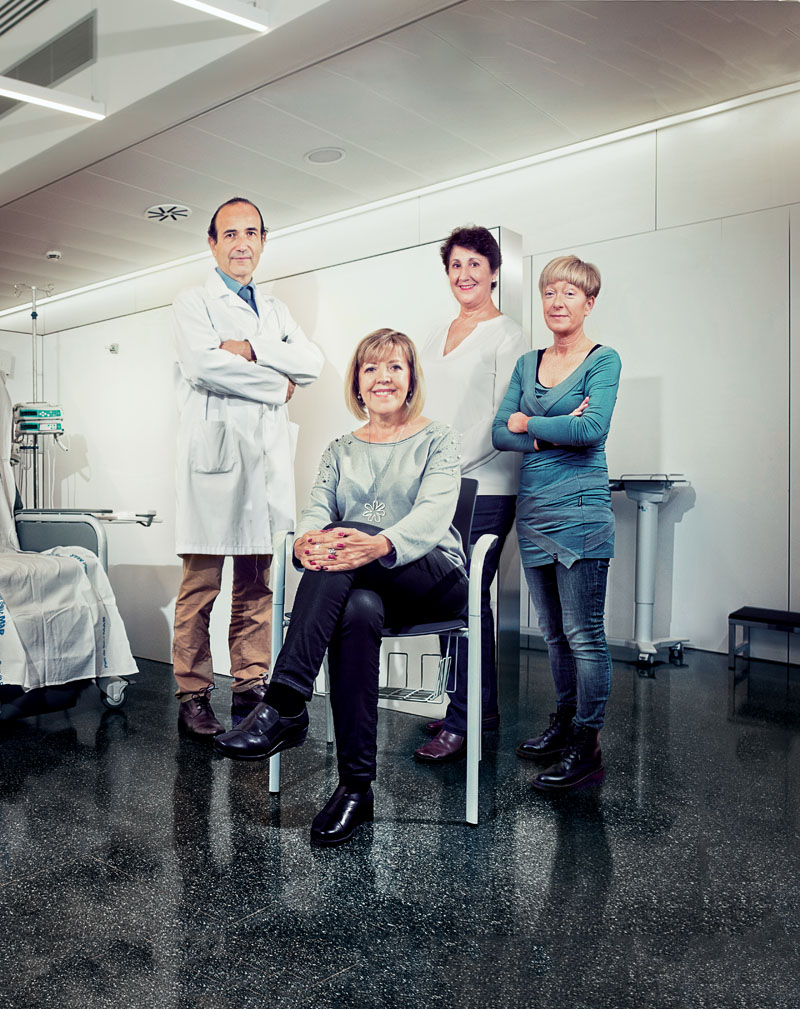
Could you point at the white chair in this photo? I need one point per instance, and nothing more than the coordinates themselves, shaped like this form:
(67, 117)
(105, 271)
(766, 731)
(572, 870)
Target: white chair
(458, 628)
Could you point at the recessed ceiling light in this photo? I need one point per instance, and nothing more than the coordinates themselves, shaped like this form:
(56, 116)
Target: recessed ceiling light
(50, 98)
(231, 10)
(168, 212)
(324, 155)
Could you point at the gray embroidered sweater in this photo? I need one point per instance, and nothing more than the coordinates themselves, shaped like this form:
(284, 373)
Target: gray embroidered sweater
(413, 501)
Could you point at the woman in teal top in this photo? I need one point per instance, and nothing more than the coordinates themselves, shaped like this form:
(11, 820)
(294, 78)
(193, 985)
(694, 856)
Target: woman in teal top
(557, 412)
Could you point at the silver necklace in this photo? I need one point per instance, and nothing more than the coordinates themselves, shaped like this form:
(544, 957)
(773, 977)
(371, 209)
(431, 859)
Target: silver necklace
(375, 510)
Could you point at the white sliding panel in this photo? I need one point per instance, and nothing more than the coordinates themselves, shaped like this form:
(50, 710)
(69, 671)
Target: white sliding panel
(699, 315)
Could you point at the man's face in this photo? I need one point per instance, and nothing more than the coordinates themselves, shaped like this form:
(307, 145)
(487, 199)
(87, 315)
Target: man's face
(239, 244)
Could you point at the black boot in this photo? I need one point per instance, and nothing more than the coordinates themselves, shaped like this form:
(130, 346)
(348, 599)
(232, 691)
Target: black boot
(552, 741)
(581, 763)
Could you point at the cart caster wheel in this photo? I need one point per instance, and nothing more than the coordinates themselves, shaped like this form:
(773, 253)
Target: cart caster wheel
(676, 655)
(645, 664)
(116, 698)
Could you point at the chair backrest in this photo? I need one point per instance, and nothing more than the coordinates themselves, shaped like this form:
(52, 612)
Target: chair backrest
(465, 509)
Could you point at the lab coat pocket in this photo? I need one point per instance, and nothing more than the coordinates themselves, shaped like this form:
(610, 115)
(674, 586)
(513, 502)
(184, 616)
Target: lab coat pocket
(211, 449)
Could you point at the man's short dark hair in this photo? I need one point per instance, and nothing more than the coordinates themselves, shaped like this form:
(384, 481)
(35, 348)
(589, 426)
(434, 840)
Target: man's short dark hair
(212, 228)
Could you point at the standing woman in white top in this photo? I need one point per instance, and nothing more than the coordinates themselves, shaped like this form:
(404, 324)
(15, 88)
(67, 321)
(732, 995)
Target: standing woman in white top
(468, 365)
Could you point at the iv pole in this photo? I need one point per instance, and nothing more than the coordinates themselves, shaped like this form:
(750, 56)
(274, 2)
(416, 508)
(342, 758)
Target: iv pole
(35, 448)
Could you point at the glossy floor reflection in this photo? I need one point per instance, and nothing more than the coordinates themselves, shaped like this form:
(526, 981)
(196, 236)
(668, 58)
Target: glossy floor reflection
(140, 870)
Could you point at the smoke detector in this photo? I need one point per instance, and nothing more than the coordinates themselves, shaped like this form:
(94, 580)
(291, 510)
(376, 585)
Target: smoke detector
(53, 255)
(168, 212)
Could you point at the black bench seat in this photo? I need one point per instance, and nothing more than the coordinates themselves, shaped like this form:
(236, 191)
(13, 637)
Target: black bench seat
(747, 617)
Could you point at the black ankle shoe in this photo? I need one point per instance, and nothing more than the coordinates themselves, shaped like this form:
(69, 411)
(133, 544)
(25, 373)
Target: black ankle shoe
(581, 763)
(552, 741)
(263, 733)
(342, 813)
(243, 702)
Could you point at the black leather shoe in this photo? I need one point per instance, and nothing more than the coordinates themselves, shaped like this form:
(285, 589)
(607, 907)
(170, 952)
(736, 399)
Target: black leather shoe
(196, 717)
(581, 763)
(552, 741)
(263, 733)
(342, 813)
(243, 702)
(444, 746)
(488, 724)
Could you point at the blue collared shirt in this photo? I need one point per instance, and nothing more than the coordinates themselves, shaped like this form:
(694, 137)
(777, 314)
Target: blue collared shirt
(239, 289)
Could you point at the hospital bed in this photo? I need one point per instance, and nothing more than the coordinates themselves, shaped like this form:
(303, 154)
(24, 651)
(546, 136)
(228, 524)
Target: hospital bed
(60, 629)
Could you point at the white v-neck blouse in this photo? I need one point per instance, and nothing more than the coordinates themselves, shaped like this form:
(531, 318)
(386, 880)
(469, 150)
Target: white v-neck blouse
(465, 389)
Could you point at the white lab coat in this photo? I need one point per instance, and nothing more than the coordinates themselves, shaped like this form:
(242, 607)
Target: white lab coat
(236, 445)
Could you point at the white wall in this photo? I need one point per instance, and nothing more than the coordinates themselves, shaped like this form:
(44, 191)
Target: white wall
(691, 230)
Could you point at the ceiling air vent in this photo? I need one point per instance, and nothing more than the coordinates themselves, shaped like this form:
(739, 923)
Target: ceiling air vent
(56, 60)
(14, 11)
(168, 212)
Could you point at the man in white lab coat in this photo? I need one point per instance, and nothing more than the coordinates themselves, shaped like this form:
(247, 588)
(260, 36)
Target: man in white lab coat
(240, 356)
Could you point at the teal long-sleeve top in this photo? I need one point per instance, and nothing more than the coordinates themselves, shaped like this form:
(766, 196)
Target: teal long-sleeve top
(564, 504)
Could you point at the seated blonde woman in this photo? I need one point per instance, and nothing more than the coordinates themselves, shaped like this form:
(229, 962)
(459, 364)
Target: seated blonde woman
(378, 547)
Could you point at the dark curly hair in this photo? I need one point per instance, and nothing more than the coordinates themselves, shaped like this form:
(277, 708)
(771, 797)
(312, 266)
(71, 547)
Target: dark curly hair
(476, 239)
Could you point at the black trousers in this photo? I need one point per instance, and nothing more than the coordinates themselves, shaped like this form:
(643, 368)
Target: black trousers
(343, 612)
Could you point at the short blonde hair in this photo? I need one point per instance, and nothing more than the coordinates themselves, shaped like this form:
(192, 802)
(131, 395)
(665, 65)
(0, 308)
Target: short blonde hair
(584, 276)
(375, 347)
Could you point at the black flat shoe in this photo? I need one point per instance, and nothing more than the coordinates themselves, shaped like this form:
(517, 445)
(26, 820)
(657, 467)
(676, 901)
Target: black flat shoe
(443, 747)
(489, 723)
(342, 813)
(263, 733)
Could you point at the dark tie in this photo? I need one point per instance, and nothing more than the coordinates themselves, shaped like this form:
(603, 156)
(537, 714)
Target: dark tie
(246, 294)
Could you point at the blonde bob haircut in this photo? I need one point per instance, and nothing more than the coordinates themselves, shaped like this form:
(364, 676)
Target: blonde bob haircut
(378, 346)
(584, 276)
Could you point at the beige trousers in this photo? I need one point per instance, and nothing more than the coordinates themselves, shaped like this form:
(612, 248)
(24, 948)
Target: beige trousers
(251, 621)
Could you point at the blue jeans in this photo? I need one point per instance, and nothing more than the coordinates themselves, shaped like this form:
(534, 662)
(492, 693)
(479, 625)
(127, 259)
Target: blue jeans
(570, 603)
(494, 513)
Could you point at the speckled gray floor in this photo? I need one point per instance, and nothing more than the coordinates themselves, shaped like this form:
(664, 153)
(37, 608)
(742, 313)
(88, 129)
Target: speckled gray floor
(140, 870)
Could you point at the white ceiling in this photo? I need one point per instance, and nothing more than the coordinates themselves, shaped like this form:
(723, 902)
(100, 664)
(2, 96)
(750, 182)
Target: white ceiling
(470, 86)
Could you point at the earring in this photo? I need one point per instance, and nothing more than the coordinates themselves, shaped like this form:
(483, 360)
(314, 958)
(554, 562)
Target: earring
(409, 395)
(360, 398)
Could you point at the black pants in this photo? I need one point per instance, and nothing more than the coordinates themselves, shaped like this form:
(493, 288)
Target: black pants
(344, 612)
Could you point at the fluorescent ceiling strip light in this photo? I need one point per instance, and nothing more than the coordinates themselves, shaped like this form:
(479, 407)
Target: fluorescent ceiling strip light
(512, 166)
(231, 10)
(51, 99)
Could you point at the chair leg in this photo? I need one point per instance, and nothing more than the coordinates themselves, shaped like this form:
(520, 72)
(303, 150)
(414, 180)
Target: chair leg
(275, 774)
(731, 645)
(282, 548)
(328, 708)
(474, 735)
